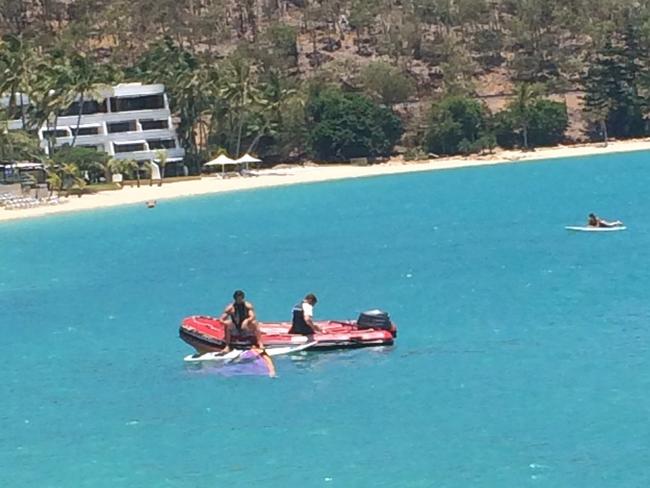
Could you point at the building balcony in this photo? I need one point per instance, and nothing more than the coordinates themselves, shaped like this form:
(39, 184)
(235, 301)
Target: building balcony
(98, 118)
(176, 154)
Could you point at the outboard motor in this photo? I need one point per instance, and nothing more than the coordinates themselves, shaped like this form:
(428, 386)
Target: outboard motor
(376, 319)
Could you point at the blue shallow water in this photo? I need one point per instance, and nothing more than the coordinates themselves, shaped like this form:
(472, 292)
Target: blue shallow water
(522, 357)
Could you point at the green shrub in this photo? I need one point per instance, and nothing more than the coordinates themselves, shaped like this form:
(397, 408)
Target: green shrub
(345, 125)
(548, 123)
(456, 124)
(386, 83)
(85, 159)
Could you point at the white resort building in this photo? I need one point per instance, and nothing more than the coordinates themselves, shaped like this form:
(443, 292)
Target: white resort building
(130, 121)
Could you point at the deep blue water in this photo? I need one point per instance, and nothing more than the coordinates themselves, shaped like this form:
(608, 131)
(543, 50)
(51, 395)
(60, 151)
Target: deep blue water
(522, 357)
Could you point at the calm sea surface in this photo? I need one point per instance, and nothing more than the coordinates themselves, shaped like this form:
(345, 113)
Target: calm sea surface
(523, 354)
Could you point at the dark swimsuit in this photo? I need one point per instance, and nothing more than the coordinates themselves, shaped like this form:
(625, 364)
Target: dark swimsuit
(239, 314)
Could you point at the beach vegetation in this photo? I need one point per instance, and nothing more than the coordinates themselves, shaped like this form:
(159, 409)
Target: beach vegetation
(90, 163)
(19, 145)
(342, 126)
(457, 124)
(546, 122)
(521, 109)
(97, 187)
(64, 178)
(128, 168)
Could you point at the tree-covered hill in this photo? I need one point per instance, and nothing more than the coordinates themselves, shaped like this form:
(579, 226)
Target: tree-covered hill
(246, 74)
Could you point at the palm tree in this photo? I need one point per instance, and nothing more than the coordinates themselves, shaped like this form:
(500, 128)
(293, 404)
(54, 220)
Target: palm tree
(212, 108)
(275, 99)
(190, 96)
(598, 115)
(17, 58)
(18, 145)
(132, 167)
(71, 177)
(240, 91)
(526, 94)
(161, 159)
(64, 176)
(54, 181)
(51, 92)
(127, 167)
(189, 86)
(89, 81)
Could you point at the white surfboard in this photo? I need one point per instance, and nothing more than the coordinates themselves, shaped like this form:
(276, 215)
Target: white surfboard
(235, 353)
(213, 356)
(587, 228)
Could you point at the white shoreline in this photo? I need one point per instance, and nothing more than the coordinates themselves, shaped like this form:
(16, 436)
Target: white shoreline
(315, 174)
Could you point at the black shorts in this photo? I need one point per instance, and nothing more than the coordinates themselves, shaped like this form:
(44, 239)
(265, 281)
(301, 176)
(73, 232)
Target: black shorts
(302, 329)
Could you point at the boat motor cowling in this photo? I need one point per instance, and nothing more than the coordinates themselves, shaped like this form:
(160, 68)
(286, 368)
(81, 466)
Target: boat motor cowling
(375, 319)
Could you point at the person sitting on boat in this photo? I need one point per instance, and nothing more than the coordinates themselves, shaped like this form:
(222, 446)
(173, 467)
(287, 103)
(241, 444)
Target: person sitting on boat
(303, 317)
(240, 320)
(595, 221)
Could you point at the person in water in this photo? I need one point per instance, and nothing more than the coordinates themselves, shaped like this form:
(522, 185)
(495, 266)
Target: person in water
(240, 319)
(303, 317)
(595, 221)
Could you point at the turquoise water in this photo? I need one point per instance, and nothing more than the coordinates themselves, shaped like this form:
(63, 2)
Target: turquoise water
(522, 357)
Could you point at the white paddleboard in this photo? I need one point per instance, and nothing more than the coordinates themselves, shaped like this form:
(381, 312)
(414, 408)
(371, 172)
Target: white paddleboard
(587, 228)
(213, 356)
(235, 353)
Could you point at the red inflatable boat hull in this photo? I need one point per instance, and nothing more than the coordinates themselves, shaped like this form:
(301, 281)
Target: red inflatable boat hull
(207, 334)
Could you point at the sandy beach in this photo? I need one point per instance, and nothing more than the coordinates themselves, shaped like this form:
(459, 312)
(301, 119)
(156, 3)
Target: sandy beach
(309, 174)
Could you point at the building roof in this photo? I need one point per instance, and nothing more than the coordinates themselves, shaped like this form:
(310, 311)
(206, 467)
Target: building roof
(137, 90)
(123, 90)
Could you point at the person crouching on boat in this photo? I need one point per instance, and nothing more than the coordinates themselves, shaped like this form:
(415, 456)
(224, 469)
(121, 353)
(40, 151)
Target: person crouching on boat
(240, 320)
(595, 221)
(303, 317)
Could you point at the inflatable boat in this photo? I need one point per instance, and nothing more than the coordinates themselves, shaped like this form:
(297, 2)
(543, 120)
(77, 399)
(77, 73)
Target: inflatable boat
(372, 328)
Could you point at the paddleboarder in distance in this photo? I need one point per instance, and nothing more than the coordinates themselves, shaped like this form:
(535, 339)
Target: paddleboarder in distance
(595, 221)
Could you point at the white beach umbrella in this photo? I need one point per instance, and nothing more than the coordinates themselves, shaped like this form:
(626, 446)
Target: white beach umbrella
(247, 159)
(223, 161)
